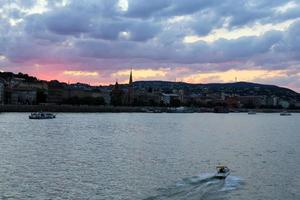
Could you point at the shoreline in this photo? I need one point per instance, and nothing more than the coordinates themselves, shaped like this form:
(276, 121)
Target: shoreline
(126, 109)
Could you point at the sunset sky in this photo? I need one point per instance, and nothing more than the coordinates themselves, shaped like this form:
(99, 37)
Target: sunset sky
(197, 41)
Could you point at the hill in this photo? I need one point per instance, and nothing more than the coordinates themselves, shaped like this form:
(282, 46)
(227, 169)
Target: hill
(240, 88)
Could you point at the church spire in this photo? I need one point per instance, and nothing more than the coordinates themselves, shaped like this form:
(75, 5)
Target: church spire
(130, 77)
(130, 90)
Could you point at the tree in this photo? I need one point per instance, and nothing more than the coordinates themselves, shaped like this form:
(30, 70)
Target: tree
(41, 96)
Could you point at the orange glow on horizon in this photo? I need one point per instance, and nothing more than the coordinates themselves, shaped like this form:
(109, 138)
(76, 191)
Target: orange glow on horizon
(231, 75)
(183, 74)
(143, 73)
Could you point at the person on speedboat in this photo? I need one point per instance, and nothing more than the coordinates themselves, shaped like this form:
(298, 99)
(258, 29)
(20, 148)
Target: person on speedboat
(222, 170)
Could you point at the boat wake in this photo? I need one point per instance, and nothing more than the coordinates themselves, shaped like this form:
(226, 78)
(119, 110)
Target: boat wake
(204, 186)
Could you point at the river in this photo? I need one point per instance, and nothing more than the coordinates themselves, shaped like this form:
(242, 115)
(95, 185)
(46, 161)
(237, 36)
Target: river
(149, 156)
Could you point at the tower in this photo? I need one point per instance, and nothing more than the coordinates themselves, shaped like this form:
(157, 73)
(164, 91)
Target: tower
(130, 77)
(130, 94)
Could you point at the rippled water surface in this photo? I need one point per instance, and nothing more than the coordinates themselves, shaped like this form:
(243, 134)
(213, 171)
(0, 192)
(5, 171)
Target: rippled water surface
(149, 156)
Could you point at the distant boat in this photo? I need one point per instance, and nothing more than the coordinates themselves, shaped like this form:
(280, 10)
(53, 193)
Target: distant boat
(222, 172)
(220, 109)
(285, 113)
(41, 115)
(251, 112)
(181, 109)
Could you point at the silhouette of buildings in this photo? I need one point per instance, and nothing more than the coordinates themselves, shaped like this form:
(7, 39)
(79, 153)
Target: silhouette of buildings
(24, 89)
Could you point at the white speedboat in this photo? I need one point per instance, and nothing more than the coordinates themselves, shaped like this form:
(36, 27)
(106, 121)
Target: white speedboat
(222, 172)
(285, 113)
(251, 112)
(41, 115)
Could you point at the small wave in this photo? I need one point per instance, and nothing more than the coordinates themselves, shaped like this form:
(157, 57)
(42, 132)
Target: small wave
(194, 180)
(232, 183)
(203, 186)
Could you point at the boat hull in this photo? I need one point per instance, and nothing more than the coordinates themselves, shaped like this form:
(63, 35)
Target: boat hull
(41, 116)
(285, 114)
(221, 175)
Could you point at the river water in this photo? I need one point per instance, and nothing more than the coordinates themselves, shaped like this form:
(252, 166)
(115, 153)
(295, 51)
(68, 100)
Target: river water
(149, 156)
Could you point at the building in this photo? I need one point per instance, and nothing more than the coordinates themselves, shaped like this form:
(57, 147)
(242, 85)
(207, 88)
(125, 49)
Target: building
(272, 101)
(56, 95)
(168, 99)
(251, 101)
(284, 103)
(297, 104)
(147, 97)
(41, 85)
(89, 94)
(23, 96)
(1, 93)
(232, 102)
(195, 99)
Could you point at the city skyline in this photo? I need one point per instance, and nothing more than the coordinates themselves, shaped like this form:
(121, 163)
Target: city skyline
(97, 42)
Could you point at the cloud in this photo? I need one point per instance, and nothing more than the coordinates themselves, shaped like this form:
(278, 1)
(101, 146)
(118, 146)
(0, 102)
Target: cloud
(80, 73)
(197, 36)
(143, 73)
(67, 22)
(137, 30)
(144, 8)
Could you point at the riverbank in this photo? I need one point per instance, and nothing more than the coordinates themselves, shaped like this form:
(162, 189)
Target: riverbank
(66, 108)
(70, 108)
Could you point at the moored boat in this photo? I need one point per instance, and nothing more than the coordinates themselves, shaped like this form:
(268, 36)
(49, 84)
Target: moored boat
(285, 113)
(41, 115)
(220, 109)
(251, 112)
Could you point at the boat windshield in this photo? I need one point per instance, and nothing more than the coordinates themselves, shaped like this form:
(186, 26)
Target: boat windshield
(222, 169)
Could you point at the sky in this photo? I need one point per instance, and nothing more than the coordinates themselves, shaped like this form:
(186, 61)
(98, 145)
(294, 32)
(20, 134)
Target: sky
(196, 41)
